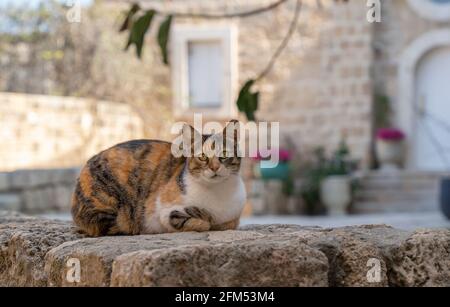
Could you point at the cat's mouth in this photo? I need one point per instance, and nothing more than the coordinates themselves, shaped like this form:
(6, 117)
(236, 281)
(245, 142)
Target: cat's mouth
(214, 178)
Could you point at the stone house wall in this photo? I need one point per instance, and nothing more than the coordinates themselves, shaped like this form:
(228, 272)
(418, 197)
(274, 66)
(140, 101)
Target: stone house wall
(49, 131)
(320, 88)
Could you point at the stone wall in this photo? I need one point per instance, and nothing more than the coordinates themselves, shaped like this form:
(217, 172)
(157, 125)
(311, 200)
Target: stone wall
(320, 88)
(328, 94)
(35, 252)
(49, 131)
(37, 191)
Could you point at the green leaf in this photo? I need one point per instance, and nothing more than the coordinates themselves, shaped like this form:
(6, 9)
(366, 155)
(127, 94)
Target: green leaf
(127, 22)
(138, 31)
(163, 37)
(247, 101)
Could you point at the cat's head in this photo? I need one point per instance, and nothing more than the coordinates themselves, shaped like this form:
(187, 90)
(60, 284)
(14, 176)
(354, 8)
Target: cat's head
(213, 158)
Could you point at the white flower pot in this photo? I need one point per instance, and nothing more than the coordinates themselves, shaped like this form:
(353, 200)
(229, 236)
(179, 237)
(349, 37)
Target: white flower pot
(389, 153)
(336, 194)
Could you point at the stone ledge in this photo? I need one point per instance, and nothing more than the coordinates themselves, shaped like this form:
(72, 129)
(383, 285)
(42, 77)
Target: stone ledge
(34, 252)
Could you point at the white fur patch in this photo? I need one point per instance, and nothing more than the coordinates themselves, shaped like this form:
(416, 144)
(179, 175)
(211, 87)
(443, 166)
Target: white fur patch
(223, 200)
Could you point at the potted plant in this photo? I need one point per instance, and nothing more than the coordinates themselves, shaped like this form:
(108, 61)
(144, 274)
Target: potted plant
(389, 147)
(280, 171)
(445, 196)
(328, 182)
(335, 188)
(310, 187)
(278, 183)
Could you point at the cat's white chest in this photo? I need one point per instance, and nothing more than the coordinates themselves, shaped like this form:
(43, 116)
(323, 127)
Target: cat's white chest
(224, 201)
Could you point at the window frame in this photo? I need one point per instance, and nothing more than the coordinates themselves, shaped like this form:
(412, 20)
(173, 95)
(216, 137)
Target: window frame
(182, 34)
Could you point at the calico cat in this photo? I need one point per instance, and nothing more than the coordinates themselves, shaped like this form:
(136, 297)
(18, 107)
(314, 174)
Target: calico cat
(141, 187)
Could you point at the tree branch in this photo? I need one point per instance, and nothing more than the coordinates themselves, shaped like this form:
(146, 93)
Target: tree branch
(225, 15)
(284, 43)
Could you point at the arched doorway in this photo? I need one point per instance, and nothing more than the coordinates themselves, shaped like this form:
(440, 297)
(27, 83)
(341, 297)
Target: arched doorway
(431, 142)
(423, 86)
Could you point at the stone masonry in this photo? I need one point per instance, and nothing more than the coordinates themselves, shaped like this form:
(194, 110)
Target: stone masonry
(50, 131)
(320, 89)
(37, 191)
(323, 76)
(34, 252)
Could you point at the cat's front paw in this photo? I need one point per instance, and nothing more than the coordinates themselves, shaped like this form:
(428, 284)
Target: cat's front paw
(177, 219)
(198, 213)
(190, 219)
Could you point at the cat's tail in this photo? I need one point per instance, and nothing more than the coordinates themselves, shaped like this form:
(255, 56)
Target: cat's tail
(91, 220)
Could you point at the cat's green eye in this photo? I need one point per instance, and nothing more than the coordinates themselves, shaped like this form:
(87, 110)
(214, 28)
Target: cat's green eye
(203, 157)
(225, 158)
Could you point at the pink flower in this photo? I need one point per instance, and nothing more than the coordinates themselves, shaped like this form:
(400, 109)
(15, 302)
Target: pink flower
(390, 134)
(283, 154)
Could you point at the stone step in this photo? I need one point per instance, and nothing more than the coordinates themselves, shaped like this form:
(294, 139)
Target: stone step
(398, 184)
(30, 179)
(10, 201)
(401, 179)
(403, 174)
(402, 191)
(393, 195)
(373, 207)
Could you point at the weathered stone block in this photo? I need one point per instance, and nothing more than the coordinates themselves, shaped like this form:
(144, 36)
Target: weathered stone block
(13, 217)
(96, 255)
(35, 252)
(260, 264)
(23, 246)
(406, 258)
(423, 259)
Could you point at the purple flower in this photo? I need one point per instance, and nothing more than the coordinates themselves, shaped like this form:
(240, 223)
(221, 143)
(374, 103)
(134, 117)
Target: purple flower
(390, 134)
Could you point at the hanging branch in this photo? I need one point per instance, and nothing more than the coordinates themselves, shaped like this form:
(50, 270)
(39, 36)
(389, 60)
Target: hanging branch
(228, 15)
(284, 43)
(216, 16)
(138, 26)
(248, 101)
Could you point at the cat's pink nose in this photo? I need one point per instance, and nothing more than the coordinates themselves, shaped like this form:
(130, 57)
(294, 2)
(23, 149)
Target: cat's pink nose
(214, 167)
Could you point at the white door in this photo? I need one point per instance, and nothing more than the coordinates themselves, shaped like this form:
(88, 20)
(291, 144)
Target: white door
(432, 122)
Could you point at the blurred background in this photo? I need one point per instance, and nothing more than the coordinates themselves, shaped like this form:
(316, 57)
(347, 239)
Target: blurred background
(363, 106)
